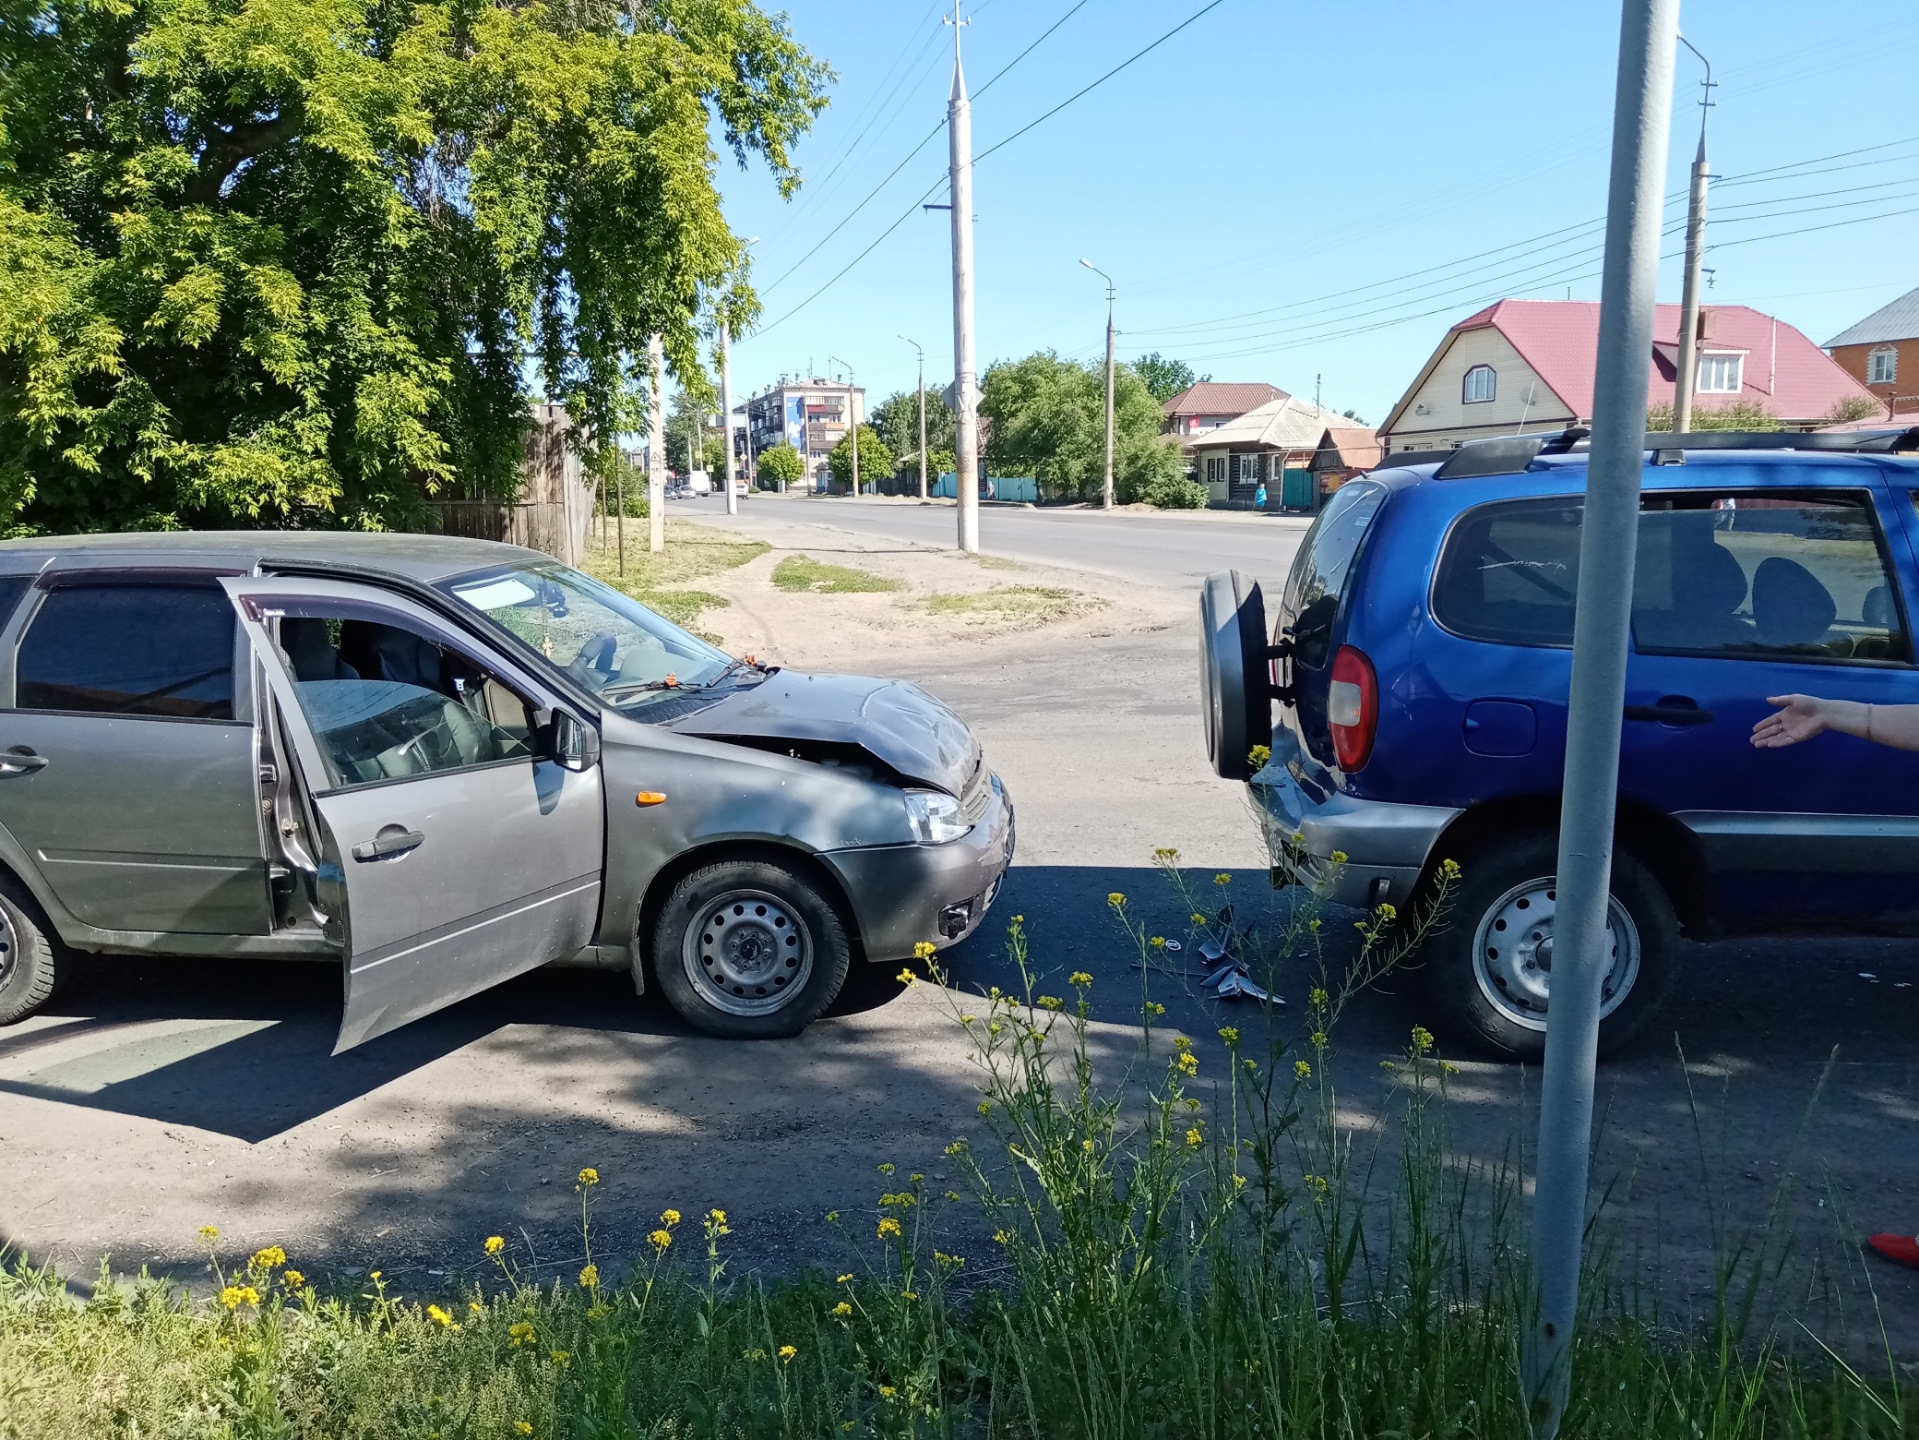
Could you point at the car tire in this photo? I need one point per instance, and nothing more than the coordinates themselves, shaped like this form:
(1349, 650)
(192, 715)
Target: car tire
(1493, 995)
(749, 950)
(31, 959)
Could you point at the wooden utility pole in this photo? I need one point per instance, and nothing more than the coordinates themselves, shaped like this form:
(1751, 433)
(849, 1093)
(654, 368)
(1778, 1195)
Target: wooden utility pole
(959, 124)
(1106, 492)
(1686, 376)
(656, 445)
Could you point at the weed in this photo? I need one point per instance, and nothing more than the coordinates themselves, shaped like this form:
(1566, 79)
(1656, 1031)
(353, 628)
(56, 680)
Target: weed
(798, 573)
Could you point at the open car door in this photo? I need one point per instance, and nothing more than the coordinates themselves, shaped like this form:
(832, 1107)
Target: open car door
(458, 804)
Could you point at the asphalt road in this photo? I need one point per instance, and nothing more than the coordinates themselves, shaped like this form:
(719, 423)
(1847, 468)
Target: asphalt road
(158, 1096)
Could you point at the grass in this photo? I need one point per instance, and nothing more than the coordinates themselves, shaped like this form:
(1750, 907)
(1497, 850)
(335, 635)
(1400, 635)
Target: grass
(1038, 604)
(801, 573)
(660, 581)
(1187, 1241)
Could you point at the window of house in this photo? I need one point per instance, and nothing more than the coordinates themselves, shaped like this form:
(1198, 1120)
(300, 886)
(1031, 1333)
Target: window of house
(1216, 469)
(105, 649)
(1882, 366)
(1248, 468)
(1481, 384)
(1721, 374)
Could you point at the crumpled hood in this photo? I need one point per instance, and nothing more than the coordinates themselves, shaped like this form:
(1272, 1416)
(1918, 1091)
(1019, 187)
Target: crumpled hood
(898, 723)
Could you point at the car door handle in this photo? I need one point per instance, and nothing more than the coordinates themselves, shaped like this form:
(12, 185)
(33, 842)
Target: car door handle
(1670, 714)
(389, 842)
(20, 760)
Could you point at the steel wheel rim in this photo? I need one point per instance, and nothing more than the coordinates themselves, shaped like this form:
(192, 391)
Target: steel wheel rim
(9, 946)
(1512, 953)
(747, 953)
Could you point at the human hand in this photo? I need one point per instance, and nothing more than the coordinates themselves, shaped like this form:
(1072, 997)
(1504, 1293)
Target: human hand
(1800, 717)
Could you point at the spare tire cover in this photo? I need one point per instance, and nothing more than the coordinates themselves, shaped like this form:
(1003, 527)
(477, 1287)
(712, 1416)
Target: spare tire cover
(1234, 679)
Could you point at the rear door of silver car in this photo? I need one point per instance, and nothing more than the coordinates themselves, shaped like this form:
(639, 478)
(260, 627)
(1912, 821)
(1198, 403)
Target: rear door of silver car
(454, 851)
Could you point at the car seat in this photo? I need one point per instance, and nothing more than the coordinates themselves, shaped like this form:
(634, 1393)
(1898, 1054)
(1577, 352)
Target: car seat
(1790, 607)
(1708, 587)
(309, 651)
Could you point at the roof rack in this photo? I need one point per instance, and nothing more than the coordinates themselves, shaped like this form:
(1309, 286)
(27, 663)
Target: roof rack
(1512, 454)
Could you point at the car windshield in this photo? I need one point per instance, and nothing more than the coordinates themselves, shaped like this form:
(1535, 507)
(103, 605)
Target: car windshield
(608, 642)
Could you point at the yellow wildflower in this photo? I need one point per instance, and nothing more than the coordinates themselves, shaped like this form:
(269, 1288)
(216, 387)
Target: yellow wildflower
(909, 1295)
(1049, 1002)
(832, 1217)
(589, 1176)
(968, 1019)
(1446, 1067)
(495, 1244)
(958, 1147)
(1339, 857)
(1188, 1063)
(1259, 755)
(1194, 1138)
(954, 1195)
(787, 1352)
(476, 1307)
(439, 1317)
(1000, 1237)
(1192, 1103)
(844, 1279)
(888, 1226)
(1079, 979)
(560, 1358)
(234, 1296)
(915, 1177)
(1115, 899)
(270, 1258)
(1302, 1069)
(1422, 1039)
(718, 1217)
(209, 1233)
(521, 1333)
(660, 1239)
(1198, 919)
(885, 1167)
(1153, 1007)
(985, 1107)
(590, 1277)
(887, 1392)
(1165, 852)
(1449, 868)
(924, 949)
(1182, 1042)
(1087, 1146)
(523, 1427)
(669, 1217)
(292, 1279)
(1230, 1034)
(1222, 878)
(907, 977)
(1158, 942)
(842, 1309)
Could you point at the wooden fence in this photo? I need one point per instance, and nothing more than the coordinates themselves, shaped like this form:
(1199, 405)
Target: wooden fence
(557, 509)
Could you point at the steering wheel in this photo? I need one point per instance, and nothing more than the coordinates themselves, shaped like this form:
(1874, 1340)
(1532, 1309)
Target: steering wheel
(599, 653)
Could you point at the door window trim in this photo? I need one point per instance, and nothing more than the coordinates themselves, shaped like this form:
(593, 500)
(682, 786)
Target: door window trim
(1865, 496)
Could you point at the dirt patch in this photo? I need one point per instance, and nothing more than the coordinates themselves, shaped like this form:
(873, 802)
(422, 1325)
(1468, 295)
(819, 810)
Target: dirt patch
(1030, 604)
(660, 582)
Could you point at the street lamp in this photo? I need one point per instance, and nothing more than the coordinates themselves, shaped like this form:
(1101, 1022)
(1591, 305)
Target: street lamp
(726, 401)
(852, 421)
(922, 349)
(1106, 494)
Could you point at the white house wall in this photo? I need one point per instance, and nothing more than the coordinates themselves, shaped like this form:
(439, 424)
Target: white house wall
(1449, 419)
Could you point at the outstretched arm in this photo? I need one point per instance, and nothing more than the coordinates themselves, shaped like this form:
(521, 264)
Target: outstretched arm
(1800, 717)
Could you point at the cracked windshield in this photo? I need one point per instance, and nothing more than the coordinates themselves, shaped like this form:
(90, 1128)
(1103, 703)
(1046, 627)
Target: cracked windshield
(616, 647)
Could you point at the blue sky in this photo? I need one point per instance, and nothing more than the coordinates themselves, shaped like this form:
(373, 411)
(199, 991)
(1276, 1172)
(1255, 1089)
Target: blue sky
(1285, 192)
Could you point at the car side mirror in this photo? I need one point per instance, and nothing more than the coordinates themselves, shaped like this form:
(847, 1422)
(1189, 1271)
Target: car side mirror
(569, 742)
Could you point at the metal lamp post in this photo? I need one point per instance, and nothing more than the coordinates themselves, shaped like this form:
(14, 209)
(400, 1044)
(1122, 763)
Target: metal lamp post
(922, 349)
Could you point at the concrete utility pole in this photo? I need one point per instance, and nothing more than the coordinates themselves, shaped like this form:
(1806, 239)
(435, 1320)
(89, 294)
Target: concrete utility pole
(922, 349)
(959, 124)
(852, 422)
(1642, 122)
(1106, 494)
(1687, 378)
(726, 415)
(656, 444)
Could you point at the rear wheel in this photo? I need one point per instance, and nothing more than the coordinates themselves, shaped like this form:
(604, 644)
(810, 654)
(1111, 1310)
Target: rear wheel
(30, 958)
(1489, 972)
(748, 949)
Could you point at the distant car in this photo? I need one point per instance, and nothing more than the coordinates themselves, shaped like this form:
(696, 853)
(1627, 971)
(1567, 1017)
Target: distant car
(1422, 650)
(442, 762)
(700, 483)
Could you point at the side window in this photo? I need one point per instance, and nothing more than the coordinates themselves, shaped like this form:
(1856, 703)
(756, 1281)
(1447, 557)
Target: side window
(164, 650)
(1739, 576)
(1313, 590)
(1480, 385)
(1765, 577)
(387, 703)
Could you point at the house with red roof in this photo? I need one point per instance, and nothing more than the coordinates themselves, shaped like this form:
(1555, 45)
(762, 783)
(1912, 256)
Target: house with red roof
(1212, 403)
(1526, 366)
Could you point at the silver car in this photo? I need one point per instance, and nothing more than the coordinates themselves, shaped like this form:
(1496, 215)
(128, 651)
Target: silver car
(443, 762)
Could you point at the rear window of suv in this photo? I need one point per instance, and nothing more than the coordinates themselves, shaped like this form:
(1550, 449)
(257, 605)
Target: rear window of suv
(1318, 580)
(1734, 574)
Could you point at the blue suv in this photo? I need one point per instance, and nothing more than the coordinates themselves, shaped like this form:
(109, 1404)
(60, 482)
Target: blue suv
(1421, 655)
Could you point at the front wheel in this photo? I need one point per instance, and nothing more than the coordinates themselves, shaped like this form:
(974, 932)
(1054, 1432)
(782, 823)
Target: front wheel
(749, 950)
(1489, 971)
(30, 955)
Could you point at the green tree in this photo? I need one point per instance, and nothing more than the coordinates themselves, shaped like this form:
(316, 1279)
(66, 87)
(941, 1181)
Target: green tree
(782, 463)
(691, 413)
(1048, 420)
(1734, 415)
(875, 459)
(1166, 377)
(897, 418)
(285, 261)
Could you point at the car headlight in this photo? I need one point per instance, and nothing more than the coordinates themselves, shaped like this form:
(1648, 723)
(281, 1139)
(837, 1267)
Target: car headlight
(936, 816)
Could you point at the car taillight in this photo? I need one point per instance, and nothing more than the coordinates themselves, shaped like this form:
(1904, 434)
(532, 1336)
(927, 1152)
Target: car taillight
(1352, 707)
